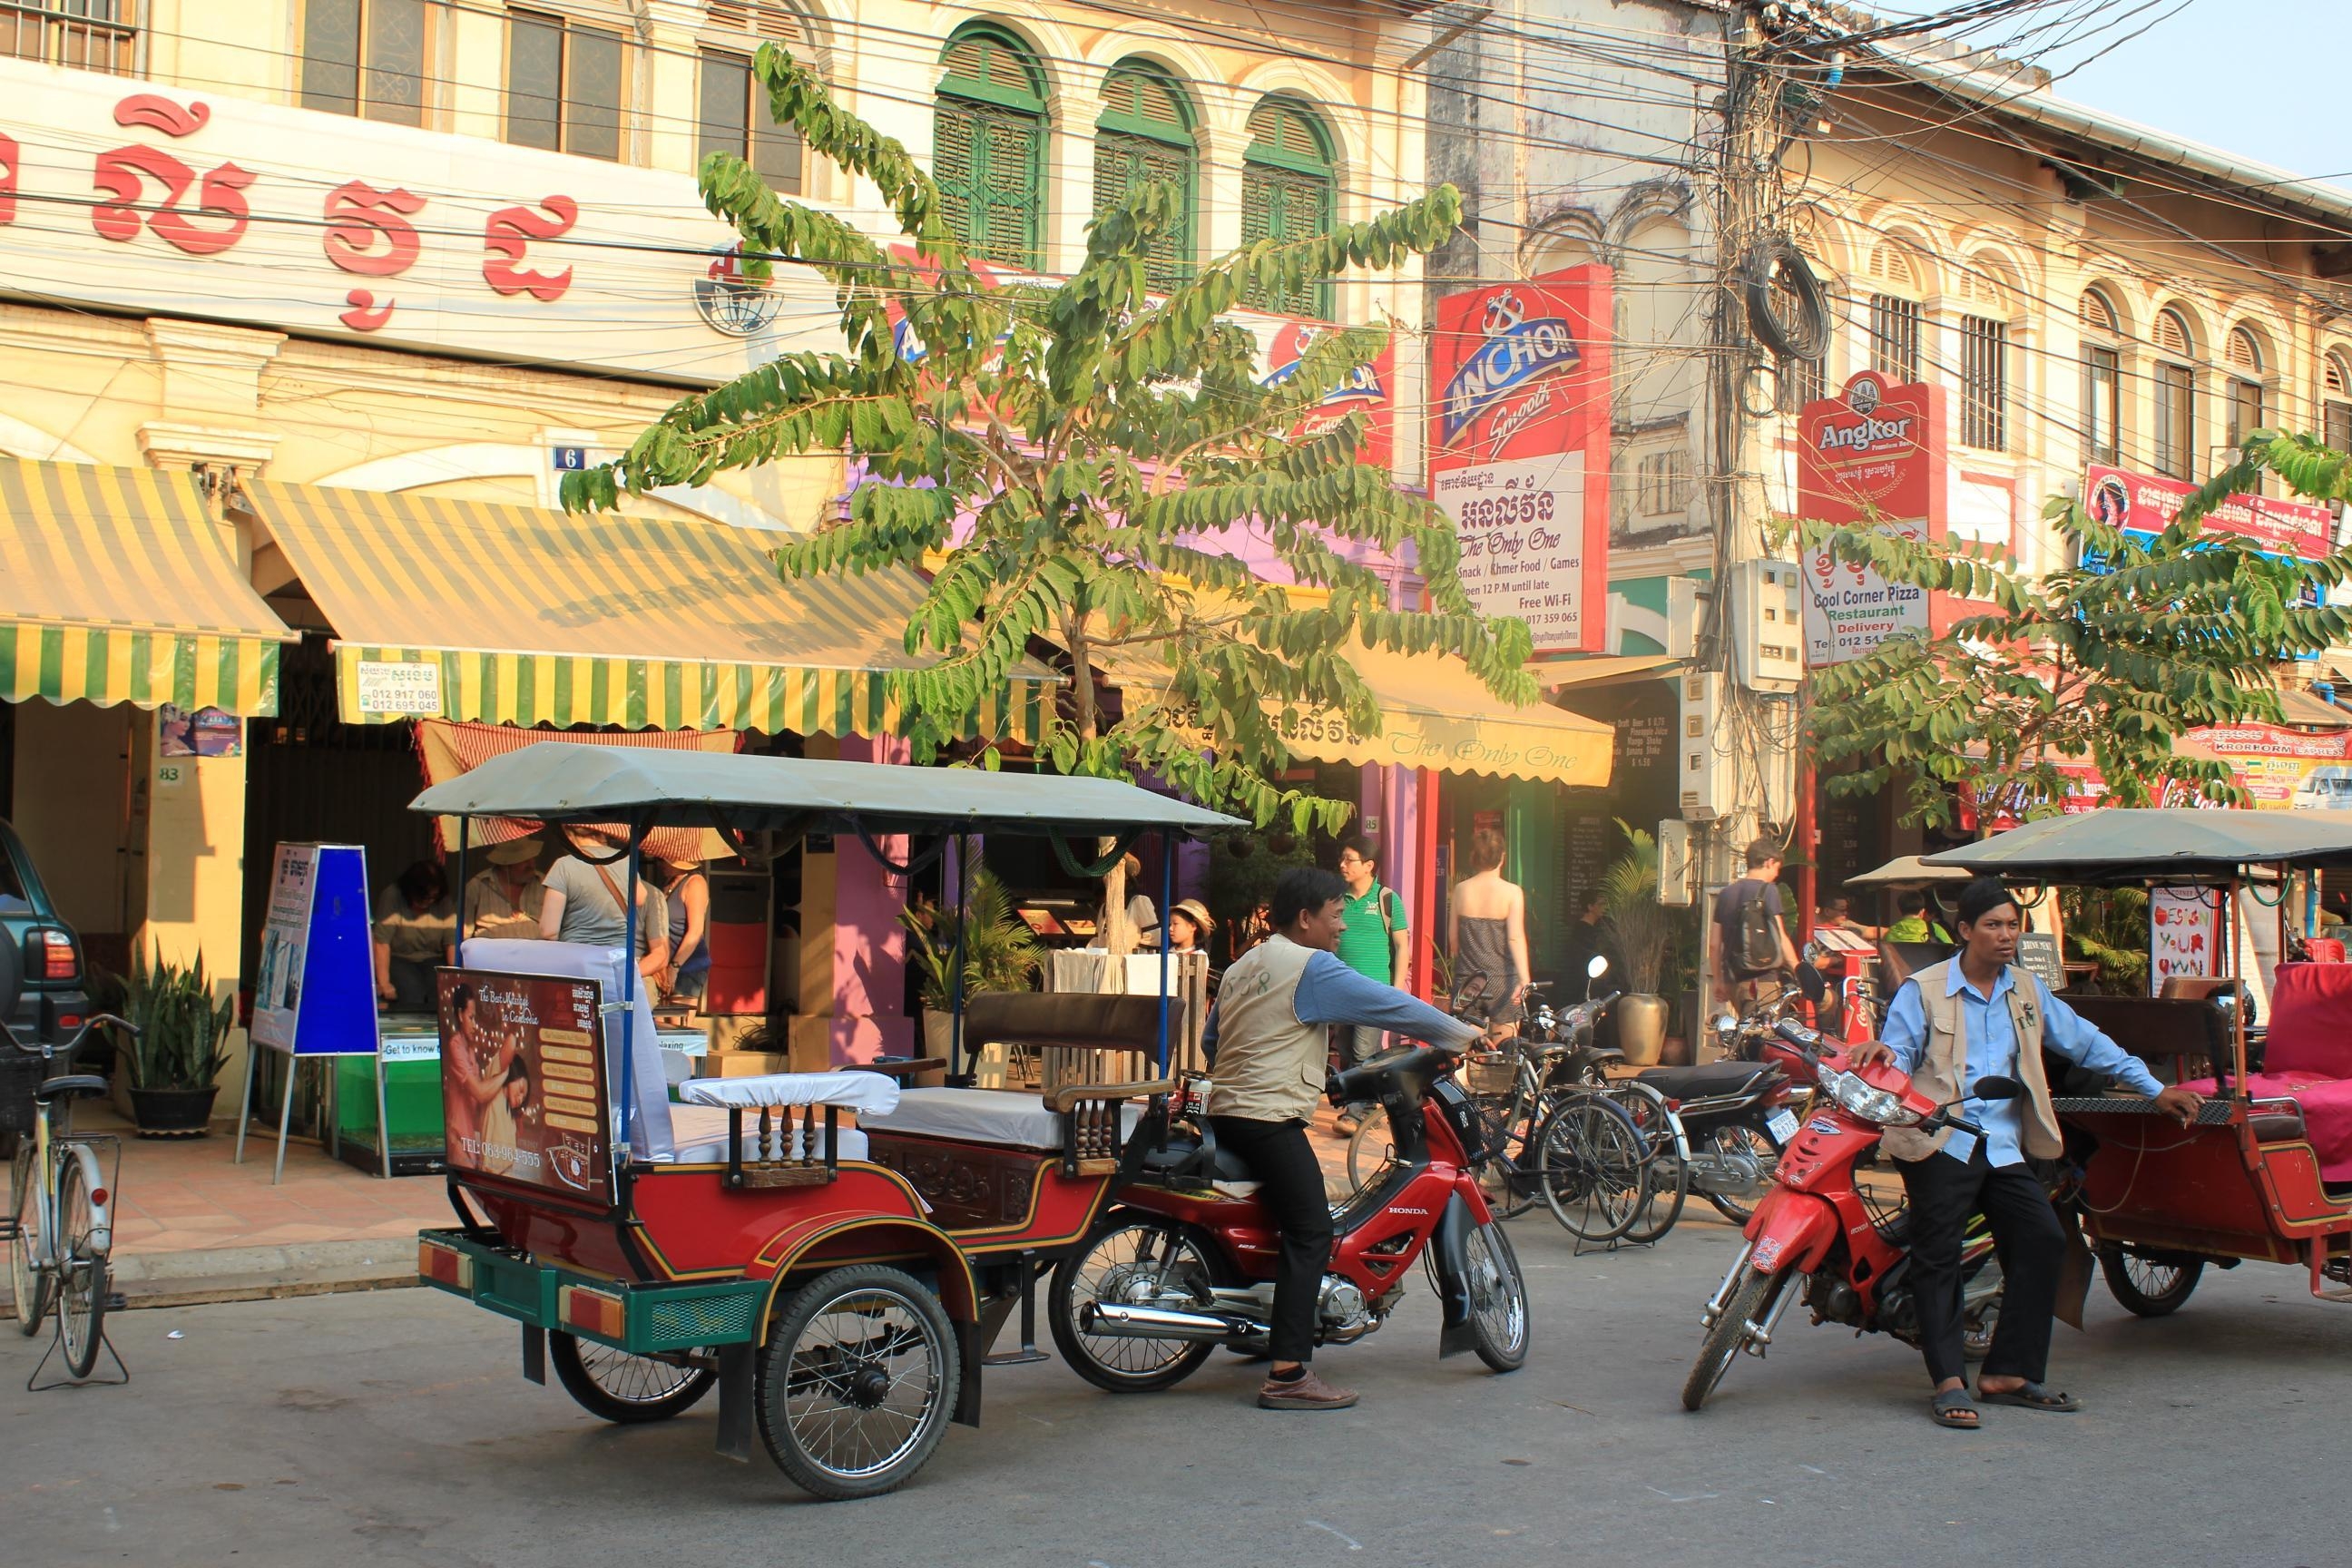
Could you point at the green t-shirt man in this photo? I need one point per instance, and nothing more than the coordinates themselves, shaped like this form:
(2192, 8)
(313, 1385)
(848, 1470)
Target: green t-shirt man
(1375, 917)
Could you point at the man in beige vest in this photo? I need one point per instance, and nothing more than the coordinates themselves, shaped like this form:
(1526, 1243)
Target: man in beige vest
(1950, 1027)
(1268, 1042)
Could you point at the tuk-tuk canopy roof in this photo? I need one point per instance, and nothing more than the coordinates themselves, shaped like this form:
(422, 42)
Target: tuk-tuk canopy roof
(1908, 871)
(561, 780)
(2159, 846)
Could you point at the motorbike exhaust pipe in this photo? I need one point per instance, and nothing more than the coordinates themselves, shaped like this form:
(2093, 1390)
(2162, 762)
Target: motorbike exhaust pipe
(1122, 1322)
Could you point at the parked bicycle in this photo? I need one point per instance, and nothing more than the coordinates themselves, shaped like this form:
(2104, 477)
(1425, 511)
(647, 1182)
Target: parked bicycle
(60, 1206)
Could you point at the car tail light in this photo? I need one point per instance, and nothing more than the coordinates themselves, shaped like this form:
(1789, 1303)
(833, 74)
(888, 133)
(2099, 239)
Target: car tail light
(68, 1021)
(54, 957)
(594, 1312)
(445, 1264)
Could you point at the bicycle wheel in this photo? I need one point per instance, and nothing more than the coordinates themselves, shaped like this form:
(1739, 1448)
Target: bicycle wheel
(1666, 1179)
(81, 1263)
(1369, 1148)
(1590, 1167)
(1505, 1176)
(29, 1282)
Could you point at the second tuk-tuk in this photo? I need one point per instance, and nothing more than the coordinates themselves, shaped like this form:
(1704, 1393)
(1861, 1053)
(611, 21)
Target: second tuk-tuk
(833, 1252)
(2265, 1172)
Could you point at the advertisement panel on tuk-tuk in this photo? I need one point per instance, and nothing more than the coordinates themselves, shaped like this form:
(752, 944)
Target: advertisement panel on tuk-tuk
(522, 1081)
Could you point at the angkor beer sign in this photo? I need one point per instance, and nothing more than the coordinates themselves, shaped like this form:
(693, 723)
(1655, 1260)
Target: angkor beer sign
(1871, 455)
(1519, 449)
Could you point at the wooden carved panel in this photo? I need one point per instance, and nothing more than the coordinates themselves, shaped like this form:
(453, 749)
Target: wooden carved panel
(968, 1188)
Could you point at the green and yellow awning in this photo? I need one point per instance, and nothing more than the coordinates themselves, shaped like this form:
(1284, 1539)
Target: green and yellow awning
(116, 585)
(480, 610)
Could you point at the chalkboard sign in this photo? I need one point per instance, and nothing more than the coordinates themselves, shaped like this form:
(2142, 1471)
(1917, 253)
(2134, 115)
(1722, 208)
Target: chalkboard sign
(2037, 952)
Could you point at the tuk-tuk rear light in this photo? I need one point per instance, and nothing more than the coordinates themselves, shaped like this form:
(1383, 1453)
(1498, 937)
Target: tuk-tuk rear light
(593, 1312)
(445, 1264)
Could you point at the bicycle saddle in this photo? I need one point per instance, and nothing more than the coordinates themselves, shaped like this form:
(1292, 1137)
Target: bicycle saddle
(78, 1084)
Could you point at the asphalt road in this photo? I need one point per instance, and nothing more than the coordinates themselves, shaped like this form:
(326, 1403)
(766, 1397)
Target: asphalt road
(395, 1428)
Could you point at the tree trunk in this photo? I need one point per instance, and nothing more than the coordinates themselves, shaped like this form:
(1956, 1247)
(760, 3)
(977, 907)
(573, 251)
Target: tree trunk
(1117, 934)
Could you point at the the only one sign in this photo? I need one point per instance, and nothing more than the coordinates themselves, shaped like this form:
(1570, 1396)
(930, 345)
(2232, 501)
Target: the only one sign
(1871, 455)
(1519, 449)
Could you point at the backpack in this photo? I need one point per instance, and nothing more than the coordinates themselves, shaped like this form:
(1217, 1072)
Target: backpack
(1756, 934)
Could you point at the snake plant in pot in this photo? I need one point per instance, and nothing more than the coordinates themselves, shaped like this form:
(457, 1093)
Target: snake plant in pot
(180, 1046)
(1629, 892)
(999, 953)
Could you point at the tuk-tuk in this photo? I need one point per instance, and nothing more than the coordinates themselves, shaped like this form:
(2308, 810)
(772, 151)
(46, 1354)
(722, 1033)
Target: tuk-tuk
(832, 1251)
(2265, 1171)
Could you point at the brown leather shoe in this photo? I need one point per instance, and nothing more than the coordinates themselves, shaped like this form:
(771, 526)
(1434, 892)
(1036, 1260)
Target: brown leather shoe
(1306, 1393)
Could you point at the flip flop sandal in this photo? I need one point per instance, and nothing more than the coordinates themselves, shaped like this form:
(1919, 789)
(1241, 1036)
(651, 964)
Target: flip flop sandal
(2034, 1396)
(1952, 1408)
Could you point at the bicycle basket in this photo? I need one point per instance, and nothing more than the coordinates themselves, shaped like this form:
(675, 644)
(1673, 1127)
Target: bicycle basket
(1490, 1072)
(20, 1075)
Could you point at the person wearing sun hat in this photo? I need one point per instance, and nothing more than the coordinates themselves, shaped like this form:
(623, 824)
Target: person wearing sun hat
(505, 897)
(1189, 925)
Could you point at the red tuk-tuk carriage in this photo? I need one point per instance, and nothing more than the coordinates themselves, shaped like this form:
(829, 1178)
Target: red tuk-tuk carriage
(839, 1285)
(2265, 1172)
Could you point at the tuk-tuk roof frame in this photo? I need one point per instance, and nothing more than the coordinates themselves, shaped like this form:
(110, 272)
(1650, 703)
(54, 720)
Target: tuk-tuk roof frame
(2165, 846)
(559, 782)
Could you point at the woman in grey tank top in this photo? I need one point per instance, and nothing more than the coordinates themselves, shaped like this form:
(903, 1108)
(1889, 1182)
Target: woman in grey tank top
(1486, 929)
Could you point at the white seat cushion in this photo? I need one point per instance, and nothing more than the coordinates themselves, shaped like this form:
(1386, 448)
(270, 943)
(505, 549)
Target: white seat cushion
(867, 1093)
(700, 1131)
(1009, 1119)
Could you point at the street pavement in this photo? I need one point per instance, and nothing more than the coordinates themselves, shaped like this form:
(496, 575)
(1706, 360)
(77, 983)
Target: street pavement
(395, 1428)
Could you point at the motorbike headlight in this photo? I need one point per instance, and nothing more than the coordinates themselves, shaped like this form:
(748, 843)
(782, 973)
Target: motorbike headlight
(1883, 1106)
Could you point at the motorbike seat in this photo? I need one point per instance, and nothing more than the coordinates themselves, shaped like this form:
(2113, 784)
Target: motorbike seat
(1705, 1081)
(1188, 1155)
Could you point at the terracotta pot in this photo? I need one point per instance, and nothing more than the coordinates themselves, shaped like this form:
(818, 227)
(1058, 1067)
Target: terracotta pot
(172, 1112)
(1641, 1028)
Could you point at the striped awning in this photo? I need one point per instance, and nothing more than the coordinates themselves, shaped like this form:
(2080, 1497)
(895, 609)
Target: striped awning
(116, 585)
(479, 610)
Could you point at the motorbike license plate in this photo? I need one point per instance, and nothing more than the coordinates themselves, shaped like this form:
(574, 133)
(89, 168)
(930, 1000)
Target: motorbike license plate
(1782, 1125)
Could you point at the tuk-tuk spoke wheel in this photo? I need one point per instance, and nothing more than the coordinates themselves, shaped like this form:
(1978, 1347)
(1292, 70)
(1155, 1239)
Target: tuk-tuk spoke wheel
(857, 1383)
(2148, 1286)
(615, 1385)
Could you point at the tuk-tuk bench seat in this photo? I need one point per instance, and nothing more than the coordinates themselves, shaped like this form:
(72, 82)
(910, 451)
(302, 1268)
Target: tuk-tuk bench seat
(2325, 1105)
(770, 1145)
(701, 1134)
(1008, 1119)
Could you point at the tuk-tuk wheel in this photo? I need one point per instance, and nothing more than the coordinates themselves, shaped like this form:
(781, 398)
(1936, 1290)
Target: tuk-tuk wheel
(615, 1385)
(2148, 1287)
(857, 1382)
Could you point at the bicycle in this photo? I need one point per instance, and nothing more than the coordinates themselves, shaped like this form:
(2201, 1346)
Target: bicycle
(60, 1213)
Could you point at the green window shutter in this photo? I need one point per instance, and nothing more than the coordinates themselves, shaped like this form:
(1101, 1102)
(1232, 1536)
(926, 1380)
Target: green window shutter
(1124, 161)
(1284, 205)
(985, 161)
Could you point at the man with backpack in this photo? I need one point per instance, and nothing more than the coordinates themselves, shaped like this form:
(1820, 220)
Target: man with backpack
(1375, 946)
(1749, 950)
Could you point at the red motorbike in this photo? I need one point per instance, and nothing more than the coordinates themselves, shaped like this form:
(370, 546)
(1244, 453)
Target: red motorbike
(1818, 1235)
(1183, 1262)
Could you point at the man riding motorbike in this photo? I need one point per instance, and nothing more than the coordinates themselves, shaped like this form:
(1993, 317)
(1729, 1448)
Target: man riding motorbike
(1267, 1042)
(1952, 1024)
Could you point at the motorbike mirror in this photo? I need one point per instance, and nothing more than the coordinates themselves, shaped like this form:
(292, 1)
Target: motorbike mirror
(1597, 968)
(1997, 1088)
(1726, 1023)
(1813, 951)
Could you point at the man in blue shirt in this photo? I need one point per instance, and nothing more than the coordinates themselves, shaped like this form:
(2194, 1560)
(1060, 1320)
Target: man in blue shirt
(1951, 1025)
(1267, 1039)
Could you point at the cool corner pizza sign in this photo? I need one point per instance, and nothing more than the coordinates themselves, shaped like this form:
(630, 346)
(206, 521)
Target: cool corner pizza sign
(1518, 444)
(1871, 457)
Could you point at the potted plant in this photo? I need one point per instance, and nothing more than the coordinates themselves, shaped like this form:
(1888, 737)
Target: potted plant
(999, 953)
(1644, 931)
(180, 1046)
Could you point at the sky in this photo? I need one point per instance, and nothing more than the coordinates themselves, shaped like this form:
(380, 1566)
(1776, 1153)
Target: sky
(2257, 78)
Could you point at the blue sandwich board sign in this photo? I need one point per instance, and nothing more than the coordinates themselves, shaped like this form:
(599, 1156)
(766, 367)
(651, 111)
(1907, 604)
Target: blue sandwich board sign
(314, 993)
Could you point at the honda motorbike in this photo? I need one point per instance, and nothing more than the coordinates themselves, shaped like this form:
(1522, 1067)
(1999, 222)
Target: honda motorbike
(1184, 1261)
(1727, 1120)
(1816, 1237)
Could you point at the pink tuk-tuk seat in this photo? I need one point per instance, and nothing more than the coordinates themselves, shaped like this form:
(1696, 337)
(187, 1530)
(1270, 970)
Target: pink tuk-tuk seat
(2307, 1058)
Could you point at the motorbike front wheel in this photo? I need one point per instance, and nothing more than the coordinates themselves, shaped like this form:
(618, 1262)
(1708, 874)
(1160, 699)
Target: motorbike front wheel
(1751, 1301)
(1498, 1298)
(1134, 1262)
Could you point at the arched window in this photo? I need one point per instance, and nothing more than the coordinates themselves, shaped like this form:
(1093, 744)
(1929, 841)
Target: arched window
(2176, 395)
(988, 149)
(1289, 191)
(1145, 133)
(2243, 350)
(2336, 400)
(1894, 313)
(2102, 379)
(1986, 287)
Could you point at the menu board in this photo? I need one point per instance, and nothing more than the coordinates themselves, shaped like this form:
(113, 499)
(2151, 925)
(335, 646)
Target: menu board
(522, 1081)
(2184, 926)
(1587, 850)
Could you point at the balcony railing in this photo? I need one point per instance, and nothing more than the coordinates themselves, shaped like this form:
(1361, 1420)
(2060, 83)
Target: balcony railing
(88, 35)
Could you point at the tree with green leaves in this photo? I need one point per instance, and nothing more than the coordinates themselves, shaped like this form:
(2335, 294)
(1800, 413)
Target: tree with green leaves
(2108, 664)
(1060, 458)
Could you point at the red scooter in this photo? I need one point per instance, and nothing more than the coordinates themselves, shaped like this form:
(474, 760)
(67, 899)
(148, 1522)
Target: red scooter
(1815, 1234)
(1184, 1260)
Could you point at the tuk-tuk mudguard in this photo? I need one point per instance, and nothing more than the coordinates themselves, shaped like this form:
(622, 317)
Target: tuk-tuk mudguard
(835, 1242)
(1792, 1232)
(1452, 1241)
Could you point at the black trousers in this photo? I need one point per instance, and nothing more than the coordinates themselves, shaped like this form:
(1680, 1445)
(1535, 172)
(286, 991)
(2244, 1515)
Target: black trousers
(1279, 1155)
(2027, 1238)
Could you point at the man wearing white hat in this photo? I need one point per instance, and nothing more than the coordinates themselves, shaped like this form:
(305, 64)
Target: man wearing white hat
(505, 897)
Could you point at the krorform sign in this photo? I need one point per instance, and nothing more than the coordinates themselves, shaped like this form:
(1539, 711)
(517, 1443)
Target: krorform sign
(1871, 456)
(1518, 445)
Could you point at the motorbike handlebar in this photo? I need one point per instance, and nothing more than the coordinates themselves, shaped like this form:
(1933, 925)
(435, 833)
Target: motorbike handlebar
(70, 1046)
(1361, 1082)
